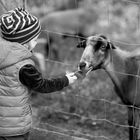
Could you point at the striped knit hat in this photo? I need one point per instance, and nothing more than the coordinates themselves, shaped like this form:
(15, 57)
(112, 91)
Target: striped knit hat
(19, 26)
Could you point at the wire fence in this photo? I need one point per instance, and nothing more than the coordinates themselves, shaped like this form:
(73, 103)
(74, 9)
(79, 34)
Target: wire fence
(80, 135)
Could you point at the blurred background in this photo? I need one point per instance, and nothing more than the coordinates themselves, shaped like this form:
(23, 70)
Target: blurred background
(89, 109)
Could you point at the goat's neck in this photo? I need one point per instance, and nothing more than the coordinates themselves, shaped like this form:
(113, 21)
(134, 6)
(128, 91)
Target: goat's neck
(115, 65)
(111, 72)
(120, 68)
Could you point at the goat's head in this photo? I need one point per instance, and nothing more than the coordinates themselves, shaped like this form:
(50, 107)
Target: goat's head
(95, 54)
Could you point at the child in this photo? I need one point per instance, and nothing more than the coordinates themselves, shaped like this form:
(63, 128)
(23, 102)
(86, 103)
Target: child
(18, 74)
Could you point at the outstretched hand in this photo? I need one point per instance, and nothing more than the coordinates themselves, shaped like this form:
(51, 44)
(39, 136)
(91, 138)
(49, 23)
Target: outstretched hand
(71, 77)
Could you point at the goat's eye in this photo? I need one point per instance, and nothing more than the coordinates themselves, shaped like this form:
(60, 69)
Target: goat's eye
(103, 47)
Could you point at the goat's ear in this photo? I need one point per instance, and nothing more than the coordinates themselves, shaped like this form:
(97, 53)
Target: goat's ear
(82, 44)
(135, 54)
(136, 57)
(110, 45)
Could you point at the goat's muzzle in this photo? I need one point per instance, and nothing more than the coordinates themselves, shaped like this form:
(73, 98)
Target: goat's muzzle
(82, 65)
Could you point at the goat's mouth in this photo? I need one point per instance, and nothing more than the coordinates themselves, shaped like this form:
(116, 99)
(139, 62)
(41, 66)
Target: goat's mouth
(96, 66)
(85, 71)
(89, 70)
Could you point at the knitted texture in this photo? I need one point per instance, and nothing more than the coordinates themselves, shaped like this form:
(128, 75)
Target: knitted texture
(19, 26)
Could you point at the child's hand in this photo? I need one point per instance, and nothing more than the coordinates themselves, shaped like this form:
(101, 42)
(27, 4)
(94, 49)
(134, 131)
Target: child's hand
(71, 77)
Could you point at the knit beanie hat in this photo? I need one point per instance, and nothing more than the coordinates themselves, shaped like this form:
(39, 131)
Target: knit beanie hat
(19, 26)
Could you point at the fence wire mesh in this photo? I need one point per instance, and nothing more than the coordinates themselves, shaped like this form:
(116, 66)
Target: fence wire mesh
(79, 135)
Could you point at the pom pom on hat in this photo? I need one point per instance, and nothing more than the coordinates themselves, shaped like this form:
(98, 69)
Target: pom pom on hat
(19, 26)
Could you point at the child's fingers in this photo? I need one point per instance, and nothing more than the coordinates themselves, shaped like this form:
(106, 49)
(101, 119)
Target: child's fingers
(74, 77)
(70, 74)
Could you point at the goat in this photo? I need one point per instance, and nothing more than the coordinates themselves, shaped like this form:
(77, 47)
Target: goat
(122, 67)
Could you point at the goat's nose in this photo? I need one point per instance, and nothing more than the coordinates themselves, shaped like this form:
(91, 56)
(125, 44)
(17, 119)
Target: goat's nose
(82, 65)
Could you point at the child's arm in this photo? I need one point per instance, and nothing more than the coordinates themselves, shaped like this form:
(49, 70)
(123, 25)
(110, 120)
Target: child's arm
(32, 78)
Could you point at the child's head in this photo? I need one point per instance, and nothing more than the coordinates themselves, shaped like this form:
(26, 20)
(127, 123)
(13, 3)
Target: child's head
(20, 26)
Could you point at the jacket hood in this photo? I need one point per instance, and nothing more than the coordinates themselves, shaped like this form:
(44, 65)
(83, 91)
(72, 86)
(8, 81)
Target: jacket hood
(11, 53)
